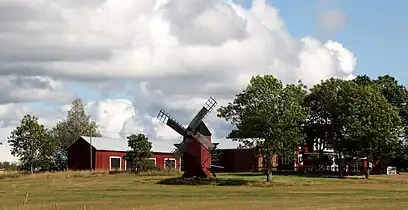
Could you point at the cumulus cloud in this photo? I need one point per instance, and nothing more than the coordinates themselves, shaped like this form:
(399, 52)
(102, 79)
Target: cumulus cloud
(147, 39)
(170, 54)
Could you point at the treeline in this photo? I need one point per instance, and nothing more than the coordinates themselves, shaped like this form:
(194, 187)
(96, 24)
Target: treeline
(8, 166)
(40, 149)
(359, 118)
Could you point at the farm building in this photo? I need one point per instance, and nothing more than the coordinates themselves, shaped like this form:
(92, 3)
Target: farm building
(244, 160)
(108, 154)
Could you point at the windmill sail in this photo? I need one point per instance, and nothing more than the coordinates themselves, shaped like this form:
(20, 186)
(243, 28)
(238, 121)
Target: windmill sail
(180, 148)
(171, 122)
(208, 106)
(176, 126)
(178, 152)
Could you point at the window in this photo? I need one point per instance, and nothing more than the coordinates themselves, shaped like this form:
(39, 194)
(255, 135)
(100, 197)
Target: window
(285, 160)
(169, 163)
(150, 161)
(300, 159)
(115, 163)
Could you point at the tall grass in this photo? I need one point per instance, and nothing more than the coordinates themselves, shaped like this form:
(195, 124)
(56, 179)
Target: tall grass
(15, 175)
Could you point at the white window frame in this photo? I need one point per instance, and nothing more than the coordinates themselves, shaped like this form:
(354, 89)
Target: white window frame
(300, 159)
(175, 162)
(155, 163)
(285, 161)
(120, 162)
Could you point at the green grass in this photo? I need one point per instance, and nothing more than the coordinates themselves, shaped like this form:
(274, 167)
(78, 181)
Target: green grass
(85, 190)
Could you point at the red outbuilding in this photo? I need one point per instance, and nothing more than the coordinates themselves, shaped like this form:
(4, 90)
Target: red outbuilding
(108, 154)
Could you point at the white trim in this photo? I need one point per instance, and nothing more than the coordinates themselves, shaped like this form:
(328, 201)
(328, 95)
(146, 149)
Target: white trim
(285, 161)
(125, 164)
(152, 158)
(110, 162)
(175, 162)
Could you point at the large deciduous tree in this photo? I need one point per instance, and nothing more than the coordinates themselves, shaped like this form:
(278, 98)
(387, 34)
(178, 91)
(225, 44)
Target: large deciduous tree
(140, 149)
(32, 144)
(396, 95)
(355, 118)
(268, 117)
(76, 124)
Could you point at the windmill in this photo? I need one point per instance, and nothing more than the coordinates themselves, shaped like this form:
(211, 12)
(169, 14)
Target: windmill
(196, 148)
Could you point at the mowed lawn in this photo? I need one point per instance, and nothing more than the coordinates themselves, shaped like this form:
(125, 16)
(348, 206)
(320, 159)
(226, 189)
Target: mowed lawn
(85, 190)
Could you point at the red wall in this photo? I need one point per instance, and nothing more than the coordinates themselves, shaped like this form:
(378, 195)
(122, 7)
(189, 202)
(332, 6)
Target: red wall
(239, 160)
(79, 156)
(160, 159)
(102, 159)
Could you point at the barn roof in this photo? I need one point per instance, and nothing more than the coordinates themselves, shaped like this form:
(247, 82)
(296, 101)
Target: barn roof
(121, 144)
(110, 144)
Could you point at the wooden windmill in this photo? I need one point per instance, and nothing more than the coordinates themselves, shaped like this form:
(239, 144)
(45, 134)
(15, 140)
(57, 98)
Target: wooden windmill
(196, 148)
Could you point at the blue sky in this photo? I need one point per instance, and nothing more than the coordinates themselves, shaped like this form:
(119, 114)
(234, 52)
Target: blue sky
(376, 31)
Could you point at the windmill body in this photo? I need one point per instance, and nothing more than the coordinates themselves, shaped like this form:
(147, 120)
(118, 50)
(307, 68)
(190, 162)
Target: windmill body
(196, 148)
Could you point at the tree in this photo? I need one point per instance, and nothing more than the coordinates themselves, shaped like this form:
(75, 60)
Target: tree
(140, 149)
(395, 94)
(269, 117)
(32, 144)
(355, 119)
(8, 166)
(68, 131)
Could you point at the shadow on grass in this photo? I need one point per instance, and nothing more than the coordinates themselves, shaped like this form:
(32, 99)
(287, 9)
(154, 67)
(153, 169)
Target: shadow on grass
(286, 174)
(248, 174)
(205, 181)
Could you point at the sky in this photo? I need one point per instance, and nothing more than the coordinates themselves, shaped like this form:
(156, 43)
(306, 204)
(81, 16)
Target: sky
(128, 59)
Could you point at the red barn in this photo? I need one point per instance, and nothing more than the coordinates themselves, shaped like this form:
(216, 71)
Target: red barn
(108, 154)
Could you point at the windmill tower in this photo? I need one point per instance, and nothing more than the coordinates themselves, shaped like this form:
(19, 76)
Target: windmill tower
(196, 148)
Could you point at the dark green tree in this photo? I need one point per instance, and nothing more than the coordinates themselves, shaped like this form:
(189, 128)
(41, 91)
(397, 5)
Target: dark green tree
(269, 117)
(395, 93)
(140, 149)
(76, 124)
(355, 119)
(32, 144)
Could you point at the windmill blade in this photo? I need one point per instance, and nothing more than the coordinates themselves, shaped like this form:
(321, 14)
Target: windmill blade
(180, 148)
(177, 153)
(204, 141)
(208, 106)
(171, 122)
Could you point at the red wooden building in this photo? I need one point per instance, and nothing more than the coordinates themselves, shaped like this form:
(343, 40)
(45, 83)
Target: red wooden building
(244, 160)
(108, 154)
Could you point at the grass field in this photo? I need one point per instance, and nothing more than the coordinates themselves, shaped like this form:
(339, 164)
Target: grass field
(86, 190)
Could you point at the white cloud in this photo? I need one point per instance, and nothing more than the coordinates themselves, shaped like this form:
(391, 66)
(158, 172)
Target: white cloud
(174, 54)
